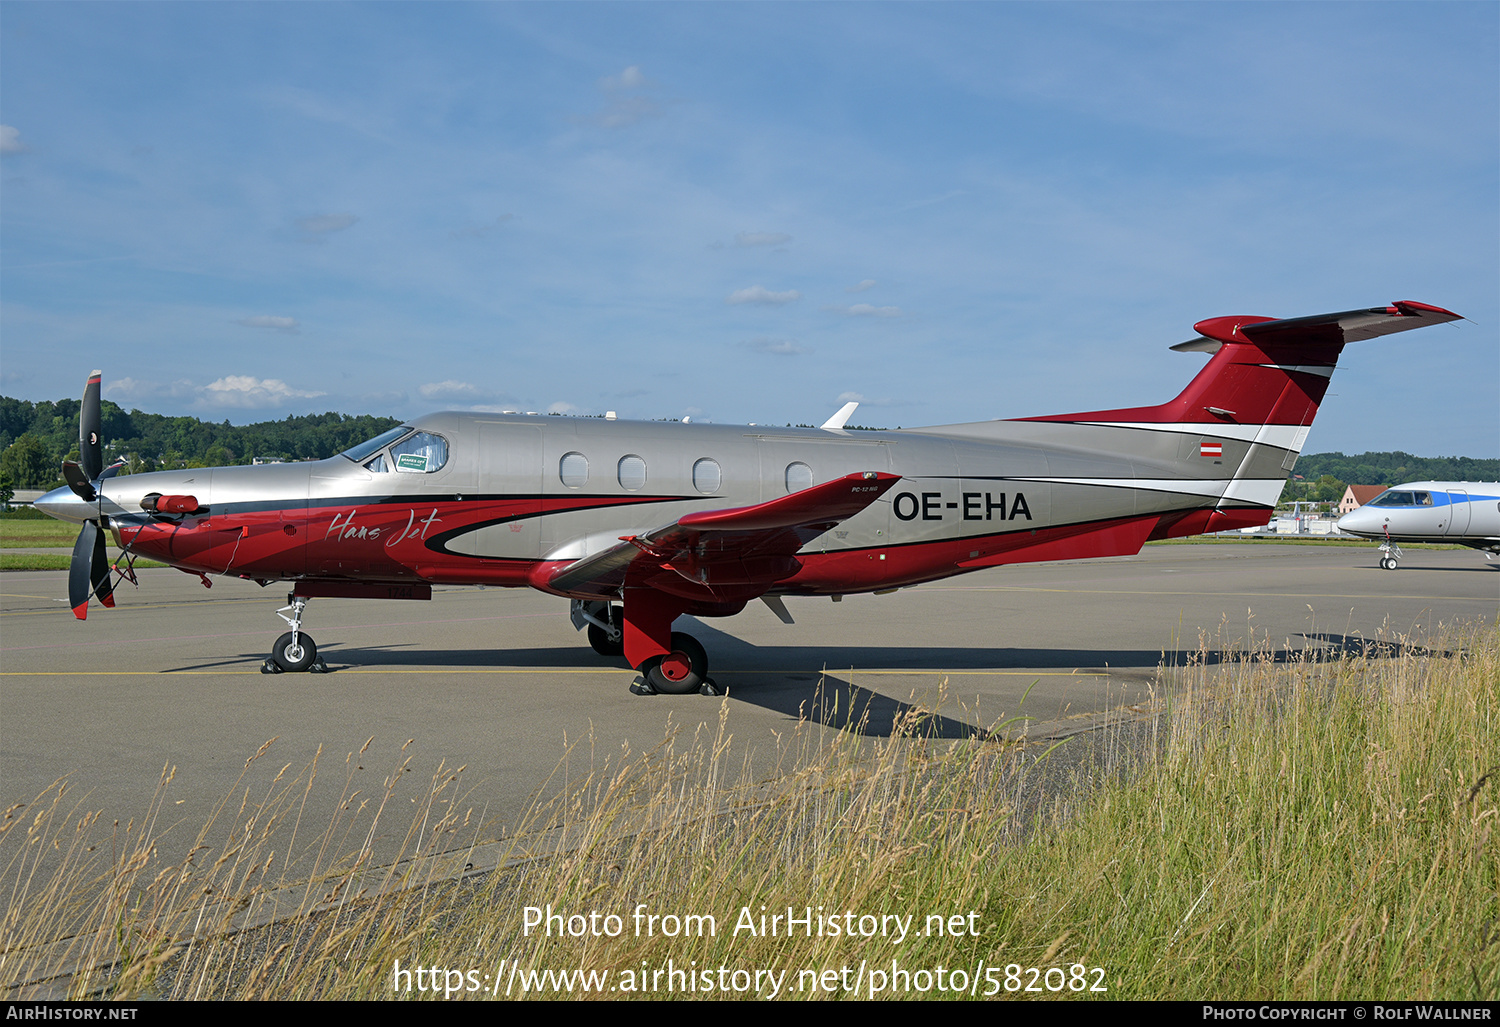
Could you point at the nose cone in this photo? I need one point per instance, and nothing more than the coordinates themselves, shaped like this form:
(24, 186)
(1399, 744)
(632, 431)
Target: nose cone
(1363, 521)
(65, 505)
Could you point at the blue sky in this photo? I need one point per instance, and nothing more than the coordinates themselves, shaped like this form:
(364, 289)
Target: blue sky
(743, 212)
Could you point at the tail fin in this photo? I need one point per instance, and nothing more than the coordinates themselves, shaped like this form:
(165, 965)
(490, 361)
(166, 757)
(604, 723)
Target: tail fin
(1262, 386)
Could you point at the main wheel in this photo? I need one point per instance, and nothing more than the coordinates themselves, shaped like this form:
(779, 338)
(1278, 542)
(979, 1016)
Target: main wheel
(294, 657)
(600, 640)
(680, 672)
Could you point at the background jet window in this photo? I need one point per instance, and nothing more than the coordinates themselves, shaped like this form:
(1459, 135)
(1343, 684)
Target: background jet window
(632, 472)
(799, 476)
(706, 476)
(379, 465)
(423, 453)
(1394, 499)
(574, 470)
(1424, 499)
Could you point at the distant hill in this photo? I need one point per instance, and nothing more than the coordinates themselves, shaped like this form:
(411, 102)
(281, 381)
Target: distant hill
(1394, 468)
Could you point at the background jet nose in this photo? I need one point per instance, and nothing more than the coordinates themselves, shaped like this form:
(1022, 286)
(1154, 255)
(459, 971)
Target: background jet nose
(65, 505)
(1356, 521)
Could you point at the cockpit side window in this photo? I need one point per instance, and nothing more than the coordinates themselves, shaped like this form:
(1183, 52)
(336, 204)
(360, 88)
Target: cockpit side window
(421, 453)
(1394, 498)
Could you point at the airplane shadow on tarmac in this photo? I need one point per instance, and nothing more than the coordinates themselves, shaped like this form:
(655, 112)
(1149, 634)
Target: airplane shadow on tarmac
(783, 678)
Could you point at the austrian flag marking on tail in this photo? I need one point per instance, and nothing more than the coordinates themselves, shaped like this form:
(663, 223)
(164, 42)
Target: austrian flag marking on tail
(1211, 449)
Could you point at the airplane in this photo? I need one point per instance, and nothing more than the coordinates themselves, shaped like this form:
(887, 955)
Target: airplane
(1462, 512)
(638, 523)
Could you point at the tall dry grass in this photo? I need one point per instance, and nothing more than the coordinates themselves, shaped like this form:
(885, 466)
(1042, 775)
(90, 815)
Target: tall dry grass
(1304, 828)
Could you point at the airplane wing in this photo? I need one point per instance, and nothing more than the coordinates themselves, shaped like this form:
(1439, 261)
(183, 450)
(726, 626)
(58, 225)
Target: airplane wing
(743, 546)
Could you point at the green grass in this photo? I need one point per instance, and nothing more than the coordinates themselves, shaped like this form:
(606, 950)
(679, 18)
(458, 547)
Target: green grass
(56, 562)
(32, 534)
(1318, 830)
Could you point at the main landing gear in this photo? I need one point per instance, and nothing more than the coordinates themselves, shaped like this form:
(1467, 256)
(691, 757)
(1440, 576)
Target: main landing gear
(681, 670)
(295, 650)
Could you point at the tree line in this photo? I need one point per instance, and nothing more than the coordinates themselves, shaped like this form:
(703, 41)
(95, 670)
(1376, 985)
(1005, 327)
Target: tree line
(35, 438)
(1323, 477)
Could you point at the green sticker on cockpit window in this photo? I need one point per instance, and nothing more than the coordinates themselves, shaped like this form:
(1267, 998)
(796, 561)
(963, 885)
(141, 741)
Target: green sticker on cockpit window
(411, 462)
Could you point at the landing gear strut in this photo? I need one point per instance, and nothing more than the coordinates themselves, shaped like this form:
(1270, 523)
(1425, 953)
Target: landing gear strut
(295, 650)
(606, 626)
(1390, 555)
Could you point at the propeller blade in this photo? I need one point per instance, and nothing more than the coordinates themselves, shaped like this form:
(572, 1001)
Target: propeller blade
(99, 572)
(90, 445)
(81, 570)
(78, 482)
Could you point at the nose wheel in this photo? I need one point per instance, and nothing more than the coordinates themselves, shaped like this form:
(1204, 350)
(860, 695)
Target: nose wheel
(295, 650)
(1390, 556)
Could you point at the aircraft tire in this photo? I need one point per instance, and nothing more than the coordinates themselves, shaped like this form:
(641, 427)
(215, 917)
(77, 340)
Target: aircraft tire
(1388, 564)
(680, 672)
(600, 640)
(294, 658)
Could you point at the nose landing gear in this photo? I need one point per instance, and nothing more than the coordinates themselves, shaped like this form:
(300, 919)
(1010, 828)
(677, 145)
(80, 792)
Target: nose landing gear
(295, 650)
(1390, 554)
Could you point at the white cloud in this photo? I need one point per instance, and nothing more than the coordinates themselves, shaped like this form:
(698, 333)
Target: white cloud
(868, 283)
(866, 310)
(761, 295)
(470, 395)
(320, 225)
(856, 397)
(625, 106)
(246, 392)
(237, 391)
(630, 78)
(780, 347)
(761, 239)
(449, 389)
(135, 390)
(288, 325)
(10, 140)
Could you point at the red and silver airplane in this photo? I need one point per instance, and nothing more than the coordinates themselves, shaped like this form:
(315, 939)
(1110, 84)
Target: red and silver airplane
(638, 523)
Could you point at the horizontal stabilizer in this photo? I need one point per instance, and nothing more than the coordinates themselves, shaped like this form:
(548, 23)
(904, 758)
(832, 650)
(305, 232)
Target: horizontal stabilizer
(1342, 327)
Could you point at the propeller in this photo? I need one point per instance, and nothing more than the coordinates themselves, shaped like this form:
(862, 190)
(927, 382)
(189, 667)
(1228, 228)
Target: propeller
(89, 571)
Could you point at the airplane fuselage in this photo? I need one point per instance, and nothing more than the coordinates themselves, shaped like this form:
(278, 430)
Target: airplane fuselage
(640, 523)
(517, 495)
(1462, 512)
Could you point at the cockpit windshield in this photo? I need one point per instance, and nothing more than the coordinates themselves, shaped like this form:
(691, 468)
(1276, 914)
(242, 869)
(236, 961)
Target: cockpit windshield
(1402, 498)
(361, 452)
(412, 451)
